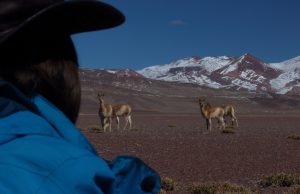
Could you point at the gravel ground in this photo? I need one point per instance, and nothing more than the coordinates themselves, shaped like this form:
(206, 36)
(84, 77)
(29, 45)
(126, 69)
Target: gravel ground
(179, 147)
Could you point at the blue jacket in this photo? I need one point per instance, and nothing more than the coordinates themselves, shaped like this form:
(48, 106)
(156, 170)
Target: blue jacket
(42, 152)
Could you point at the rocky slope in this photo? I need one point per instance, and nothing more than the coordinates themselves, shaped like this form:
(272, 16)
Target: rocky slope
(245, 73)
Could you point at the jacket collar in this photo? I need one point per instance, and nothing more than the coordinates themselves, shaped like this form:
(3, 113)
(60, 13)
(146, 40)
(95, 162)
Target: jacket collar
(20, 116)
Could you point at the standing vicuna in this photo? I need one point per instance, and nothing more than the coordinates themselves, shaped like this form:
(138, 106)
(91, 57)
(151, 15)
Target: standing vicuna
(105, 113)
(230, 111)
(209, 112)
(122, 110)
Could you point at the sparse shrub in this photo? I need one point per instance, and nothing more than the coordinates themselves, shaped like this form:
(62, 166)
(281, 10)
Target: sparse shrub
(161, 191)
(294, 137)
(218, 188)
(136, 129)
(171, 126)
(230, 127)
(94, 128)
(82, 129)
(294, 190)
(280, 179)
(168, 184)
(228, 131)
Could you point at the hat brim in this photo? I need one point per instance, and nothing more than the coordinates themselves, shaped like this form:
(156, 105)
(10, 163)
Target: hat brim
(66, 18)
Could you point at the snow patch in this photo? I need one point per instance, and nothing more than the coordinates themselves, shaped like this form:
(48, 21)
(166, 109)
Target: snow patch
(207, 72)
(283, 79)
(251, 75)
(244, 84)
(111, 71)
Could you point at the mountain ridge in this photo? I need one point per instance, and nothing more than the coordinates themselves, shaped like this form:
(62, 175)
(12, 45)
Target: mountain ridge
(244, 73)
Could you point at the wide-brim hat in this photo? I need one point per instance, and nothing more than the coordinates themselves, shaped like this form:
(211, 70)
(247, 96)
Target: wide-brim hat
(43, 19)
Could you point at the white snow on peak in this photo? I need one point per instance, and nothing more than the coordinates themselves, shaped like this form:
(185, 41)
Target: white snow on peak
(250, 75)
(214, 63)
(230, 68)
(111, 71)
(288, 65)
(201, 80)
(248, 78)
(291, 72)
(284, 90)
(283, 79)
(210, 64)
(244, 84)
(233, 66)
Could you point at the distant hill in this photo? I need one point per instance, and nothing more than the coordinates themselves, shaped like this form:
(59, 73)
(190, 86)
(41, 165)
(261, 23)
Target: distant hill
(245, 73)
(145, 94)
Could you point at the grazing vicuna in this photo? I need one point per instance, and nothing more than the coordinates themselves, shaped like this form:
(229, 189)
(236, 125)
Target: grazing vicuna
(125, 111)
(230, 111)
(105, 113)
(209, 112)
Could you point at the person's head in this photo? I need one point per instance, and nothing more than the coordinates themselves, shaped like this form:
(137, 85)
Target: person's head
(37, 54)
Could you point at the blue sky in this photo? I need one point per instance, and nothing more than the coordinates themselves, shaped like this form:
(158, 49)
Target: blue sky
(163, 31)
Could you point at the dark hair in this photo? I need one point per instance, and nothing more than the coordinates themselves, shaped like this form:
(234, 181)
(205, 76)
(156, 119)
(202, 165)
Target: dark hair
(49, 68)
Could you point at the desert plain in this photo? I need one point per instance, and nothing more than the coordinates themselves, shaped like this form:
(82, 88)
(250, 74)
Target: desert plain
(170, 135)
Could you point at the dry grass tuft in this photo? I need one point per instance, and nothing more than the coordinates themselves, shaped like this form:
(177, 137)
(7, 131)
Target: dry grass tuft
(230, 131)
(171, 126)
(161, 191)
(168, 184)
(94, 128)
(280, 179)
(218, 188)
(230, 127)
(294, 137)
(294, 190)
(136, 129)
(82, 129)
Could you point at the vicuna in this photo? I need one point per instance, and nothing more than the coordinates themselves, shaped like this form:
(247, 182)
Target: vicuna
(209, 112)
(125, 111)
(105, 113)
(230, 111)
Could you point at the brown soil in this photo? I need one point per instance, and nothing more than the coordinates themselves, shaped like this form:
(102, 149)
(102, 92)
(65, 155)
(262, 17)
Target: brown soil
(179, 147)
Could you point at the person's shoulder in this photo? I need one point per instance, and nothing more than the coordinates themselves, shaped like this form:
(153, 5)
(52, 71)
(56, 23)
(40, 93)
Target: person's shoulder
(45, 162)
(39, 153)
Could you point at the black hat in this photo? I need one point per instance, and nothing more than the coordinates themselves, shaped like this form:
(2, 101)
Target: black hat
(30, 19)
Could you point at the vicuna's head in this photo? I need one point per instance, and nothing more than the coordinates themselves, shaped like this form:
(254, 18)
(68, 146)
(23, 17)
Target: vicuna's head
(202, 102)
(101, 98)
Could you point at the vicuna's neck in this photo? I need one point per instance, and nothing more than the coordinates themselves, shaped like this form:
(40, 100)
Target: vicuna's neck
(204, 110)
(102, 105)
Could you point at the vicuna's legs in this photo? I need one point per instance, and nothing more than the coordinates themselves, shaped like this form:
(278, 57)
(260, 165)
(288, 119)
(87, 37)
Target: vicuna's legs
(234, 119)
(118, 122)
(221, 121)
(109, 120)
(208, 124)
(126, 122)
(130, 121)
(127, 119)
(225, 121)
(106, 122)
(236, 122)
(102, 123)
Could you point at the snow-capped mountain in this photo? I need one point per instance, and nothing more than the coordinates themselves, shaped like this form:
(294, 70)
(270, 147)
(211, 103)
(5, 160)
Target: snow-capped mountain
(236, 73)
(289, 80)
(117, 72)
(125, 72)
